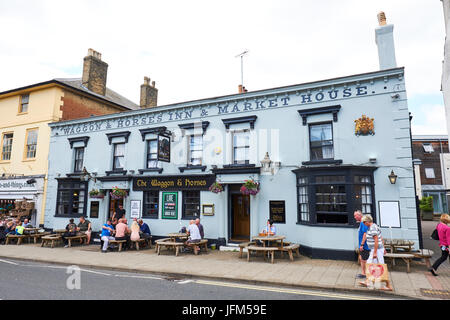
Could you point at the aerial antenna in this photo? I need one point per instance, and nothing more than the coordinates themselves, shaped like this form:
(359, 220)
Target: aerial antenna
(242, 65)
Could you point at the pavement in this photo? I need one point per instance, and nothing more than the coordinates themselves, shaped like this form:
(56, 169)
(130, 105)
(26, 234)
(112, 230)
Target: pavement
(339, 276)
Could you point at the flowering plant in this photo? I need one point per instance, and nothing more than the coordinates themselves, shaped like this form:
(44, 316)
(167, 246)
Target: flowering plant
(118, 193)
(216, 187)
(95, 193)
(250, 187)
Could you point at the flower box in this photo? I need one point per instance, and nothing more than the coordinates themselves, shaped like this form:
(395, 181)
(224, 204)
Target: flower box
(216, 187)
(250, 187)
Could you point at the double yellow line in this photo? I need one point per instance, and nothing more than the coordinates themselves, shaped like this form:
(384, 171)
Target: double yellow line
(285, 290)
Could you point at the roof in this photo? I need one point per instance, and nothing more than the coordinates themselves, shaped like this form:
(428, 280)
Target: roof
(430, 137)
(433, 187)
(76, 83)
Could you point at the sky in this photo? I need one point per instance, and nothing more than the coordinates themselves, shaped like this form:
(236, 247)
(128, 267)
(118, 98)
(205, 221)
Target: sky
(189, 48)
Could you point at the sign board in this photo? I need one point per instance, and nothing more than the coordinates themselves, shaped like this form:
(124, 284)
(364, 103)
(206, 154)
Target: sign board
(194, 182)
(389, 214)
(17, 185)
(170, 205)
(208, 209)
(163, 148)
(135, 209)
(277, 211)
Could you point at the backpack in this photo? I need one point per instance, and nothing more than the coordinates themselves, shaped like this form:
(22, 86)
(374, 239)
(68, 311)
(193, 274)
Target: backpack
(435, 235)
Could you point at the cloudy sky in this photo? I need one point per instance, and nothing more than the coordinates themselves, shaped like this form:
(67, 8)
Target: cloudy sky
(189, 47)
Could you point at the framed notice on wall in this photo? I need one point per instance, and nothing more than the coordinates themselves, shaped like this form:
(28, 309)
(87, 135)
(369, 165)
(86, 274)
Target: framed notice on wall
(170, 205)
(389, 214)
(277, 211)
(135, 209)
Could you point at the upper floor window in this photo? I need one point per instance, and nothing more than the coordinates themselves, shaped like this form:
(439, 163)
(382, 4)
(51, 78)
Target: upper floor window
(152, 153)
(429, 173)
(24, 99)
(31, 143)
(428, 147)
(241, 147)
(79, 157)
(321, 141)
(119, 156)
(195, 152)
(7, 146)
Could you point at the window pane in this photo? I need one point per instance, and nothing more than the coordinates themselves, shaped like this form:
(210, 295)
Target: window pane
(427, 147)
(119, 149)
(7, 146)
(118, 162)
(429, 173)
(31, 143)
(321, 132)
(241, 139)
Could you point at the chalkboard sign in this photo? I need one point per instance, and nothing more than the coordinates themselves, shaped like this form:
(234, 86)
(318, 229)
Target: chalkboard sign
(170, 205)
(278, 211)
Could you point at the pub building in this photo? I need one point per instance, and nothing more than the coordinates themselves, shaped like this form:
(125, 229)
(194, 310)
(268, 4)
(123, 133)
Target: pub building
(316, 152)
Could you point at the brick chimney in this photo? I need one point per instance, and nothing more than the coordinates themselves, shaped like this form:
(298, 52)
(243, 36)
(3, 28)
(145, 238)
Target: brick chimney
(95, 72)
(149, 94)
(384, 37)
(242, 89)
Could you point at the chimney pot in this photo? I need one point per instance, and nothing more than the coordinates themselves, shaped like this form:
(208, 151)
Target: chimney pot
(149, 94)
(240, 88)
(153, 84)
(382, 19)
(95, 72)
(146, 80)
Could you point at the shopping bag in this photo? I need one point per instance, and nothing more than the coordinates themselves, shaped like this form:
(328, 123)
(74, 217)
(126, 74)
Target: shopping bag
(376, 273)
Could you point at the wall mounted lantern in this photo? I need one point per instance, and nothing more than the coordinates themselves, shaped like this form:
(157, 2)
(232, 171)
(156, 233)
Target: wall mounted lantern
(392, 177)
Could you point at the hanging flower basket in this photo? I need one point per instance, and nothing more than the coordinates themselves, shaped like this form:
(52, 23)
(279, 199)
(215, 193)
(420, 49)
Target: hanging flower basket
(250, 187)
(96, 194)
(216, 187)
(118, 193)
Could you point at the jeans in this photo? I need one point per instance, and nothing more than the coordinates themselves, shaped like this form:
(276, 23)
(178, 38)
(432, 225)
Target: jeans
(106, 242)
(442, 259)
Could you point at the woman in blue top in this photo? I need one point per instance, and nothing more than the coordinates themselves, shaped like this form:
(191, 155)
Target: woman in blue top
(107, 231)
(270, 228)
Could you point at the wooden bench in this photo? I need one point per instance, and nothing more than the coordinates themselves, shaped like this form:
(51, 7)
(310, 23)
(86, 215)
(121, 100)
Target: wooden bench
(81, 237)
(407, 257)
(19, 238)
(269, 250)
(52, 239)
(159, 241)
(202, 243)
(169, 244)
(137, 243)
(37, 236)
(291, 248)
(425, 254)
(244, 245)
(119, 242)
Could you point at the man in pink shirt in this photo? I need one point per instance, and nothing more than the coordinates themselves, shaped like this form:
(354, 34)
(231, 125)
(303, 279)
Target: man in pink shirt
(122, 232)
(444, 242)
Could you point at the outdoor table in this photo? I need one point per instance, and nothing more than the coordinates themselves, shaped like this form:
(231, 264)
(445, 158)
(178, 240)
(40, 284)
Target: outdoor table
(394, 244)
(269, 239)
(32, 230)
(175, 236)
(59, 231)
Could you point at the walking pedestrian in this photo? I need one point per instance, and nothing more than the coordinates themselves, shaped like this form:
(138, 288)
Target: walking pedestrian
(364, 250)
(444, 242)
(374, 240)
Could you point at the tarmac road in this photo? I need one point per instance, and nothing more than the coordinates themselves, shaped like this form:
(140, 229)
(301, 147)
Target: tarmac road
(23, 280)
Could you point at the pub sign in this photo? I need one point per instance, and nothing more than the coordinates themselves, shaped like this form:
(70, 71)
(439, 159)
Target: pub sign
(278, 211)
(163, 148)
(173, 183)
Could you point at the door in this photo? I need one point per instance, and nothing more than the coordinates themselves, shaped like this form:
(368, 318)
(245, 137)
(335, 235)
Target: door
(241, 216)
(113, 206)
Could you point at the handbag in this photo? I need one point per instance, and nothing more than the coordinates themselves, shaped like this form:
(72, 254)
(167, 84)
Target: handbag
(435, 235)
(375, 274)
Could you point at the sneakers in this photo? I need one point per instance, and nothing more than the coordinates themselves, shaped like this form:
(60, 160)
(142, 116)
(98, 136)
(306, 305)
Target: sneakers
(361, 276)
(66, 246)
(433, 272)
(104, 251)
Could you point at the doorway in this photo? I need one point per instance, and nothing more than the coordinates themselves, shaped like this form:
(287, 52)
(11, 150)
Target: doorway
(239, 214)
(113, 206)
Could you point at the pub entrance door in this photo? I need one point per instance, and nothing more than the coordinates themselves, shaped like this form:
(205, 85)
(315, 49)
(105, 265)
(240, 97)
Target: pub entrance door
(239, 214)
(113, 206)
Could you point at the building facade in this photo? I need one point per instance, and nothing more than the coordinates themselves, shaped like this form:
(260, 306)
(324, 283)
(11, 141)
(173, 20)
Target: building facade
(25, 134)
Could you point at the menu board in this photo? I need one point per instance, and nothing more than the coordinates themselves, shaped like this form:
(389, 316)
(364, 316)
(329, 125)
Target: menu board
(135, 209)
(278, 211)
(170, 205)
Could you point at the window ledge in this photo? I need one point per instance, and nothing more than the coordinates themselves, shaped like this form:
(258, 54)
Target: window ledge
(159, 170)
(29, 160)
(319, 162)
(68, 215)
(188, 167)
(323, 225)
(122, 172)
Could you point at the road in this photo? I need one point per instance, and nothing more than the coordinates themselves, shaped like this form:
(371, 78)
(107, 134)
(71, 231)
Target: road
(22, 280)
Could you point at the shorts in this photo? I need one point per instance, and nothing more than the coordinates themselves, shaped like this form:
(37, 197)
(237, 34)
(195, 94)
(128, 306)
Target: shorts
(194, 241)
(365, 254)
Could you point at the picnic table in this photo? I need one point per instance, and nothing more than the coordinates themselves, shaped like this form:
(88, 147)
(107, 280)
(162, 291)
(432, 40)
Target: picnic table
(267, 240)
(175, 236)
(60, 231)
(31, 230)
(395, 244)
(271, 244)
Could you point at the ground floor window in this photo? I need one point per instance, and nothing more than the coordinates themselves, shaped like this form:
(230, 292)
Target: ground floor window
(191, 204)
(151, 204)
(439, 201)
(71, 198)
(329, 196)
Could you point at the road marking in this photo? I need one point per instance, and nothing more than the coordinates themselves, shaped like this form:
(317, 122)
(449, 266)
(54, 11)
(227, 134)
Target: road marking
(185, 281)
(96, 272)
(138, 277)
(289, 291)
(5, 261)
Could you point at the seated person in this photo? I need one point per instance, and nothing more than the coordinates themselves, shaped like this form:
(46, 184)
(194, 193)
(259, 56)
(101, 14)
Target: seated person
(135, 229)
(85, 227)
(19, 229)
(27, 224)
(145, 230)
(71, 231)
(106, 236)
(270, 229)
(200, 227)
(194, 235)
(10, 228)
(122, 232)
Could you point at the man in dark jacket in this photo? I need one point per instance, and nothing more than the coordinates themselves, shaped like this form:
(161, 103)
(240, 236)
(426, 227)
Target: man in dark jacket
(200, 227)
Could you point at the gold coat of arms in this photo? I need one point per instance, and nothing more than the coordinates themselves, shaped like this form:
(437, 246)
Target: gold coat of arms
(364, 126)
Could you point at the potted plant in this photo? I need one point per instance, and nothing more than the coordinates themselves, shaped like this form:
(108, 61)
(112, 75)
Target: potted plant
(95, 193)
(216, 187)
(250, 187)
(117, 193)
(426, 208)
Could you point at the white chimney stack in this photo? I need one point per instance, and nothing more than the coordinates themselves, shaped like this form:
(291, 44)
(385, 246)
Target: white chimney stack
(384, 37)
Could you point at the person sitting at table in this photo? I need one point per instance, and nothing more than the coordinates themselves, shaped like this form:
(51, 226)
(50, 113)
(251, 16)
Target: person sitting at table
(19, 229)
(71, 231)
(106, 236)
(27, 224)
(200, 227)
(85, 227)
(144, 232)
(135, 229)
(270, 229)
(10, 227)
(122, 232)
(194, 235)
